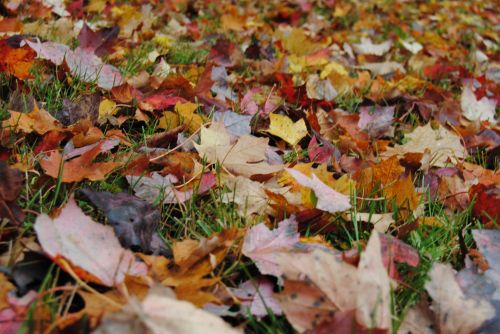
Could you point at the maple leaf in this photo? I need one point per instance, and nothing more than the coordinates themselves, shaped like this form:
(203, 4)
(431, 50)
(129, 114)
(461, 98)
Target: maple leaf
(257, 298)
(91, 249)
(368, 47)
(250, 196)
(193, 261)
(246, 157)
(161, 312)
(16, 61)
(133, 220)
(38, 120)
(282, 126)
(336, 286)
(156, 187)
(320, 89)
(82, 63)
(261, 244)
(440, 143)
(328, 199)
(450, 304)
(80, 168)
(376, 121)
(477, 110)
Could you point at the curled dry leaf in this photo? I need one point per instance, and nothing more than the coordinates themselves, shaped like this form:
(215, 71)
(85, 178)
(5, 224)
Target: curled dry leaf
(91, 249)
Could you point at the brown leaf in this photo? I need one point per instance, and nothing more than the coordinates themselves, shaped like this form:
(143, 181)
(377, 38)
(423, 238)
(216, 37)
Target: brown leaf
(11, 181)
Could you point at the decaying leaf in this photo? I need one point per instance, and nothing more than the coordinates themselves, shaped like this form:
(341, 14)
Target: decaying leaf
(133, 220)
(11, 181)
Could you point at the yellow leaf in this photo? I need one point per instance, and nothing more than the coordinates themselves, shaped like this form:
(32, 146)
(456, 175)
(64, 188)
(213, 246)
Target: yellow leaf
(187, 114)
(333, 66)
(169, 120)
(107, 108)
(282, 126)
(96, 6)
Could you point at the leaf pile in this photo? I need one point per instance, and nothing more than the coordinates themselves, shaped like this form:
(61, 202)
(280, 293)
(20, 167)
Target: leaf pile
(264, 166)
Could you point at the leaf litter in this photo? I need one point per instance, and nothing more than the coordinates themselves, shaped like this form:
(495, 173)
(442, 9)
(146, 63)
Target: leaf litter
(311, 167)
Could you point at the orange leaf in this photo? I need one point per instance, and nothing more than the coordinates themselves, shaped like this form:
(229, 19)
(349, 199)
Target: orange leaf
(79, 168)
(16, 61)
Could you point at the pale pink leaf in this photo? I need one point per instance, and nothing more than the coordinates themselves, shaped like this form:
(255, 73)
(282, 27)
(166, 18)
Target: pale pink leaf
(262, 244)
(86, 244)
(328, 199)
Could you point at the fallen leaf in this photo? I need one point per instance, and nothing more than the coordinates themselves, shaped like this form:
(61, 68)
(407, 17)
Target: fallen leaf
(107, 108)
(376, 121)
(79, 168)
(256, 298)
(161, 188)
(477, 110)
(38, 120)
(450, 304)
(16, 61)
(319, 89)
(249, 196)
(236, 124)
(91, 249)
(282, 126)
(366, 46)
(328, 199)
(339, 286)
(82, 63)
(11, 182)
(441, 144)
(161, 312)
(193, 261)
(246, 157)
(381, 221)
(133, 220)
(262, 244)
